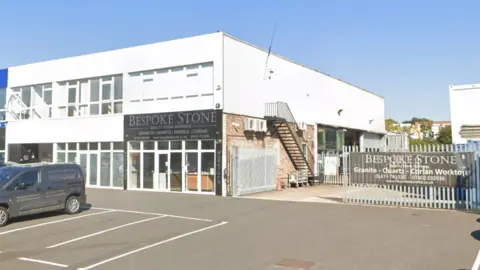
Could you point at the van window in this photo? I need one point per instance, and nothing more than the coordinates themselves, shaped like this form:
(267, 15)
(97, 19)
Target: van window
(54, 174)
(8, 173)
(72, 174)
(25, 180)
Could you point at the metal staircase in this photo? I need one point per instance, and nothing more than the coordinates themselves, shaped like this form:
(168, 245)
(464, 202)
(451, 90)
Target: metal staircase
(281, 121)
(16, 108)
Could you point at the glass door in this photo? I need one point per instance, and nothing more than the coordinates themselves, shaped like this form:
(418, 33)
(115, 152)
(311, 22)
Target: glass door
(162, 172)
(148, 170)
(191, 171)
(83, 163)
(93, 169)
(176, 172)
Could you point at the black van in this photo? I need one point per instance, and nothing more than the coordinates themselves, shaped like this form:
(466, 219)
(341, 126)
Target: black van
(27, 189)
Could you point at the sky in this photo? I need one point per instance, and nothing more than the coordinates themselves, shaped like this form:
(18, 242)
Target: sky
(407, 51)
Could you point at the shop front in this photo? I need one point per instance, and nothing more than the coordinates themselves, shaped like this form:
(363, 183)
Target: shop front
(175, 151)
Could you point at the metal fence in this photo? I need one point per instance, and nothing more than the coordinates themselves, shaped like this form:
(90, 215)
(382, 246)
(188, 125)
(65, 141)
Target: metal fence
(329, 167)
(455, 192)
(253, 170)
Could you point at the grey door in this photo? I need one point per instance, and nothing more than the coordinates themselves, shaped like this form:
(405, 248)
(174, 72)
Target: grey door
(53, 181)
(27, 193)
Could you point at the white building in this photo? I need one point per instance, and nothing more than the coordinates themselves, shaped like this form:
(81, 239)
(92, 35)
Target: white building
(465, 112)
(92, 109)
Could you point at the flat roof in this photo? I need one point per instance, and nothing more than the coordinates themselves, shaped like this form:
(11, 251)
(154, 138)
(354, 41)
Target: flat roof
(293, 62)
(211, 33)
(464, 86)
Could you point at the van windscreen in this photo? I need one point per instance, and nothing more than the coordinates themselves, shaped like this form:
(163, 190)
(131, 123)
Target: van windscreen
(7, 173)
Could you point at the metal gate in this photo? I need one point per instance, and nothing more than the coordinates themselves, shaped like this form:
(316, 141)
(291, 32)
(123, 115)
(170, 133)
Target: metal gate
(253, 170)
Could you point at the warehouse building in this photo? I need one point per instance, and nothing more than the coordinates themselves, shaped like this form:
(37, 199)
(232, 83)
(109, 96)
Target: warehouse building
(465, 113)
(203, 114)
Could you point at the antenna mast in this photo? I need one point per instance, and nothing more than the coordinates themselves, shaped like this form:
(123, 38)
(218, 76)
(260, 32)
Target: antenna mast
(269, 51)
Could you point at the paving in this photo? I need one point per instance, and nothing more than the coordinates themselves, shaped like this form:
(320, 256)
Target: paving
(123, 230)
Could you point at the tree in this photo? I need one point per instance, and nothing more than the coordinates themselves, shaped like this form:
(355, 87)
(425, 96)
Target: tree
(445, 135)
(407, 129)
(417, 119)
(426, 128)
(392, 125)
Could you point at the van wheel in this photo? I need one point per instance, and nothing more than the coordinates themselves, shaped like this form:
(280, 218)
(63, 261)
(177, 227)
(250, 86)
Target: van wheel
(72, 206)
(4, 216)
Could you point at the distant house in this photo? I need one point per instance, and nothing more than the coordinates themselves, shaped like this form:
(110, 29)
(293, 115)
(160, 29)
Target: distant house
(415, 130)
(437, 126)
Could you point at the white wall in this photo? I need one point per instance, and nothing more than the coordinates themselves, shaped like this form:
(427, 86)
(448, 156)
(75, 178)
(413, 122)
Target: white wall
(171, 89)
(86, 129)
(464, 108)
(174, 53)
(186, 75)
(313, 97)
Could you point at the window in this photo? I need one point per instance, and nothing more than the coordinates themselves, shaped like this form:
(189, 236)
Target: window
(94, 90)
(330, 139)
(191, 145)
(106, 91)
(2, 139)
(72, 95)
(118, 88)
(83, 146)
(176, 145)
(148, 145)
(47, 97)
(208, 144)
(162, 145)
(101, 162)
(25, 181)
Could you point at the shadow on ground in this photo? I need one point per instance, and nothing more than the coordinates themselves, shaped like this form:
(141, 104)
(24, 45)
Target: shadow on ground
(476, 235)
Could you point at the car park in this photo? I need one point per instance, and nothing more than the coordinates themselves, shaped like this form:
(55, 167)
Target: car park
(27, 189)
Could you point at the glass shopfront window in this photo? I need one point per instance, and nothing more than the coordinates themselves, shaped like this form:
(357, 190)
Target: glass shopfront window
(102, 162)
(182, 166)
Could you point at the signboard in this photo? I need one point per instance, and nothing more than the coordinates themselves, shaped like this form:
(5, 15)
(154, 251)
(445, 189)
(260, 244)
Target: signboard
(330, 166)
(189, 125)
(178, 126)
(444, 169)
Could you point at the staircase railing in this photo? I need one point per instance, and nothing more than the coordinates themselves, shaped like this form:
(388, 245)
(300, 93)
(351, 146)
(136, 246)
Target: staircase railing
(299, 142)
(15, 106)
(279, 110)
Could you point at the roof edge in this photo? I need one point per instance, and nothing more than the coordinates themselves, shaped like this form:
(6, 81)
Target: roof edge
(118, 49)
(298, 64)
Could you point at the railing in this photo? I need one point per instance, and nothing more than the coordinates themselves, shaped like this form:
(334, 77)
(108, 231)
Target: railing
(279, 110)
(462, 194)
(299, 142)
(15, 107)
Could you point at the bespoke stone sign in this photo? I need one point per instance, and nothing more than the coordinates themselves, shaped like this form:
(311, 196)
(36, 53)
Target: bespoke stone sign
(187, 125)
(444, 169)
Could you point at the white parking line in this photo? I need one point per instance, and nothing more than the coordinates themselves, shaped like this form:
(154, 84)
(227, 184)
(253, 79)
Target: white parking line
(476, 264)
(44, 262)
(56, 221)
(151, 246)
(104, 231)
(154, 214)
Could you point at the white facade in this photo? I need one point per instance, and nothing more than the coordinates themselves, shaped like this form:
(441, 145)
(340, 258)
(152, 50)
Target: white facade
(185, 74)
(175, 75)
(464, 109)
(312, 96)
(81, 100)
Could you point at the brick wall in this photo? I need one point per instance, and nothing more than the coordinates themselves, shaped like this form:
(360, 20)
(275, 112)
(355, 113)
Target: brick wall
(236, 136)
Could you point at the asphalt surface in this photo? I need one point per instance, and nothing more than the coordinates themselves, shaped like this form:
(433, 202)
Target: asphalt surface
(200, 232)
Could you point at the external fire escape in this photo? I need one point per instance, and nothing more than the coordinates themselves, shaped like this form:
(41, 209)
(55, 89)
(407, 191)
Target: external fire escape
(15, 107)
(281, 122)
